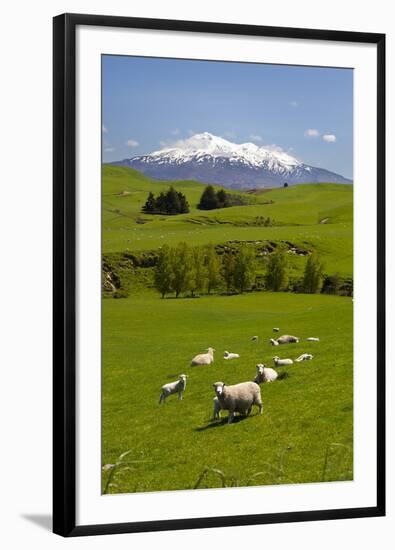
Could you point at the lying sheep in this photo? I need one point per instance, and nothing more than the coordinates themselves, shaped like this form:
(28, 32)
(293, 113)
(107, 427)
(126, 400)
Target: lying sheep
(255, 338)
(285, 339)
(204, 358)
(276, 329)
(312, 339)
(228, 355)
(238, 398)
(304, 357)
(174, 387)
(282, 362)
(264, 374)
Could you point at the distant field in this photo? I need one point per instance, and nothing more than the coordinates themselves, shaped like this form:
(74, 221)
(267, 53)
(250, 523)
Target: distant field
(305, 433)
(298, 210)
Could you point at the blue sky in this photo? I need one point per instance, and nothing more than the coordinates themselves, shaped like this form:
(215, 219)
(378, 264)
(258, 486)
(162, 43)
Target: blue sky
(306, 111)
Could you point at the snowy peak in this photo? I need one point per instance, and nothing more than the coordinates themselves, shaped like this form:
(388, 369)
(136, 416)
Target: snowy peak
(208, 145)
(212, 159)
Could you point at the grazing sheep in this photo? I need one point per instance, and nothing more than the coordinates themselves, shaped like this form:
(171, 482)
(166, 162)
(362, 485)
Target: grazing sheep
(228, 355)
(204, 358)
(264, 374)
(276, 329)
(312, 339)
(174, 387)
(304, 357)
(285, 339)
(238, 398)
(255, 338)
(282, 362)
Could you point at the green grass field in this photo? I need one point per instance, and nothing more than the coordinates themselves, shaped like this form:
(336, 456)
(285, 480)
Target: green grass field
(306, 431)
(299, 210)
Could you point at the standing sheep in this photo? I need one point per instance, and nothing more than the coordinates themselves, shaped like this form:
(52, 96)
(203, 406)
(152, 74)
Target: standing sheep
(238, 398)
(285, 339)
(204, 358)
(174, 387)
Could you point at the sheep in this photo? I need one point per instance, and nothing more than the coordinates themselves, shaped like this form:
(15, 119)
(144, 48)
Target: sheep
(174, 387)
(282, 362)
(255, 338)
(276, 329)
(238, 398)
(284, 339)
(312, 339)
(204, 358)
(264, 374)
(228, 355)
(304, 357)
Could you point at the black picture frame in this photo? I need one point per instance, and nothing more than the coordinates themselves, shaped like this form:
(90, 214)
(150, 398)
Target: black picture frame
(64, 273)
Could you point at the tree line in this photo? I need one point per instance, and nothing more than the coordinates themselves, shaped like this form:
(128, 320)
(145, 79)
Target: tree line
(171, 202)
(183, 269)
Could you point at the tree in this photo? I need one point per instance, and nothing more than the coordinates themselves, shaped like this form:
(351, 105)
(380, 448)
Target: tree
(245, 269)
(285, 184)
(184, 206)
(163, 275)
(172, 202)
(182, 269)
(228, 269)
(198, 271)
(213, 269)
(150, 204)
(209, 199)
(313, 274)
(277, 276)
(222, 199)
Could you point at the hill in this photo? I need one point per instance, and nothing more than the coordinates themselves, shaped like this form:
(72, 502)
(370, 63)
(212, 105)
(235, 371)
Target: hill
(311, 216)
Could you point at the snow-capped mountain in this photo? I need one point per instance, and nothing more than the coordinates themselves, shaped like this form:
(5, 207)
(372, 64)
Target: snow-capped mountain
(212, 159)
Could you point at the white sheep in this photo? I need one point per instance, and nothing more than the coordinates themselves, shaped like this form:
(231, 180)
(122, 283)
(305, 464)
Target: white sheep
(276, 329)
(264, 374)
(204, 358)
(174, 387)
(228, 355)
(284, 339)
(255, 338)
(312, 339)
(304, 357)
(282, 362)
(238, 398)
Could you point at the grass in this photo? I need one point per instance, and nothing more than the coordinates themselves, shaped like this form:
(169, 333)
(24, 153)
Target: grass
(305, 433)
(297, 211)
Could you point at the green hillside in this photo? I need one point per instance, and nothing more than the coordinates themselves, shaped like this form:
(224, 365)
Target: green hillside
(312, 216)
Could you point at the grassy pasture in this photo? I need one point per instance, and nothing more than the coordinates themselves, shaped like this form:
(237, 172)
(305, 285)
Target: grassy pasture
(305, 433)
(298, 210)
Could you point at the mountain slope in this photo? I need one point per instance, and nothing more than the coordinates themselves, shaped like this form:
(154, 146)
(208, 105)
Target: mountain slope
(212, 159)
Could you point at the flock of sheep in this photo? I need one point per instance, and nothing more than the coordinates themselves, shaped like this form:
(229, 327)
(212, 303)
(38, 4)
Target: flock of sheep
(238, 398)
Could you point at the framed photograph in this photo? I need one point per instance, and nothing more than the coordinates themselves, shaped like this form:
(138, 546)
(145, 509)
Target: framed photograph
(219, 275)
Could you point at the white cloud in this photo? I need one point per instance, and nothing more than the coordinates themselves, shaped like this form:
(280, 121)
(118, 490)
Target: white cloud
(132, 143)
(255, 137)
(104, 129)
(311, 132)
(109, 149)
(329, 138)
(294, 103)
